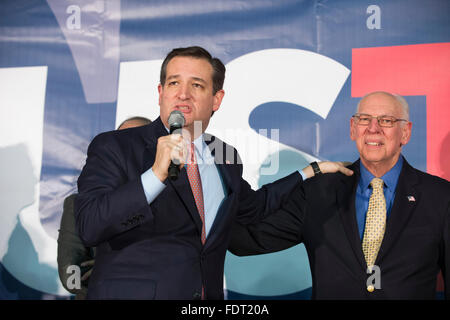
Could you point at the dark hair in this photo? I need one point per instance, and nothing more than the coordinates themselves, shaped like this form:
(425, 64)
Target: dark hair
(199, 53)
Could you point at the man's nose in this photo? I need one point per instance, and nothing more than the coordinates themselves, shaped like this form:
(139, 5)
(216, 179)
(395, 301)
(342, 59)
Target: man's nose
(374, 126)
(184, 92)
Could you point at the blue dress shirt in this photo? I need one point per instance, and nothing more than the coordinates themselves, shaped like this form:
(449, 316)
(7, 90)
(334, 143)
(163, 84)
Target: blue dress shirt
(364, 191)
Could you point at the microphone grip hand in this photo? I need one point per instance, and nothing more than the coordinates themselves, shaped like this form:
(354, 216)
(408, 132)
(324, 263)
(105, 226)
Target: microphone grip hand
(169, 157)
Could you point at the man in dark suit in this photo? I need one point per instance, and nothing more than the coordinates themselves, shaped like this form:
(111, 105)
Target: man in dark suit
(163, 239)
(383, 233)
(71, 250)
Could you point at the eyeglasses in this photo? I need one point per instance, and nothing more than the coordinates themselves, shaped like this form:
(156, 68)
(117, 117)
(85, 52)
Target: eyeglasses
(383, 121)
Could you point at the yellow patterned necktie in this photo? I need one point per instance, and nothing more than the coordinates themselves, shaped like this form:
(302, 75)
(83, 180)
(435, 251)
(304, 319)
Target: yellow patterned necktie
(375, 222)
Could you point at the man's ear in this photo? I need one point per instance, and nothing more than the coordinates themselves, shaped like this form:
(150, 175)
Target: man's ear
(406, 133)
(160, 89)
(218, 99)
(352, 129)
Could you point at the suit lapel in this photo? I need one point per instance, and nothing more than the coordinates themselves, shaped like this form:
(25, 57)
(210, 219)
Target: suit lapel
(402, 208)
(400, 213)
(346, 194)
(224, 163)
(155, 130)
(223, 159)
(184, 191)
(227, 201)
(181, 186)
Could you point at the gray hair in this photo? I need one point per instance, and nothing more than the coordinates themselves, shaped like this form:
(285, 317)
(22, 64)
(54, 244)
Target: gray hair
(401, 101)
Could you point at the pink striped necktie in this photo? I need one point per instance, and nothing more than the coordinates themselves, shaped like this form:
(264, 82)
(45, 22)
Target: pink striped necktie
(196, 186)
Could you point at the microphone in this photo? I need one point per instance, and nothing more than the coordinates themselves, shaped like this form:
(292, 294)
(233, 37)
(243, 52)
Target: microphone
(176, 121)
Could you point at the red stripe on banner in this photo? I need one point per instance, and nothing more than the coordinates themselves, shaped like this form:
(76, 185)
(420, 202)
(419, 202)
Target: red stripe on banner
(412, 70)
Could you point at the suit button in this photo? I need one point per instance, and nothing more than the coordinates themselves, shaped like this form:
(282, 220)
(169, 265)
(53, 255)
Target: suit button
(197, 296)
(370, 288)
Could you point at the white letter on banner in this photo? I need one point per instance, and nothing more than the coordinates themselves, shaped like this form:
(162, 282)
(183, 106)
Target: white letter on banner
(22, 101)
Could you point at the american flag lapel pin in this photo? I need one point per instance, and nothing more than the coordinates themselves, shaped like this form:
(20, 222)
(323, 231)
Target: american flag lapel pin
(411, 199)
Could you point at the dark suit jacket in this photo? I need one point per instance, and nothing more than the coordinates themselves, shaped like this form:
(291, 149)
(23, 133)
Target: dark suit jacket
(155, 251)
(321, 214)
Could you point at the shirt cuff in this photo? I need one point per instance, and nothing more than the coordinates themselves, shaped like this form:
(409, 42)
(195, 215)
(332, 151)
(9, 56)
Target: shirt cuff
(152, 185)
(304, 177)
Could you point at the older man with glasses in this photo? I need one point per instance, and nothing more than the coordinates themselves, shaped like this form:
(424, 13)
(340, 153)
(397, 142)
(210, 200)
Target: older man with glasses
(383, 233)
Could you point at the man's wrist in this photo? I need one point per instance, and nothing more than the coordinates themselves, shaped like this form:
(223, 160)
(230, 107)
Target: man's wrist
(316, 168)
(152, 185)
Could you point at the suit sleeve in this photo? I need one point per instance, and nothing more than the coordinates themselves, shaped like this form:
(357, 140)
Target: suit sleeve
(108, 202)
(279, 227)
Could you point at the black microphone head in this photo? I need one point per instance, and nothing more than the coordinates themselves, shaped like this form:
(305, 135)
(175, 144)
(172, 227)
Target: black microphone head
(176, 119)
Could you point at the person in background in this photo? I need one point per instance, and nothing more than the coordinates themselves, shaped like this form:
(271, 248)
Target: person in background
(71, 250)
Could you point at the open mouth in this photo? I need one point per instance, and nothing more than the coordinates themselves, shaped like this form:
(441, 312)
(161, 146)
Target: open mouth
(183, 108)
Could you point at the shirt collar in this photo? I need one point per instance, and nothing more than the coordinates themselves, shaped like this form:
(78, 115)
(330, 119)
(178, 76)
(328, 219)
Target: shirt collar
(390, 178)
(200, 146)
